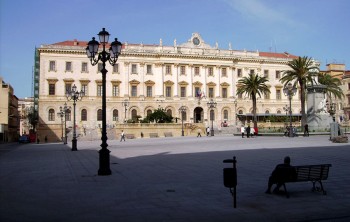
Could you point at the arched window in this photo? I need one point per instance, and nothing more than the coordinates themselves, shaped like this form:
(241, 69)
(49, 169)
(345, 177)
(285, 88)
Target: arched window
(68, 115)
(267, 112)
(51, 115)
(115, 115)
(240, 112)
(212, 115)
(184, 116)
(169, 112)
(83, 115)
(134, 114)
(149, 112)
(225, 114)
(278, 111)
(99, 115)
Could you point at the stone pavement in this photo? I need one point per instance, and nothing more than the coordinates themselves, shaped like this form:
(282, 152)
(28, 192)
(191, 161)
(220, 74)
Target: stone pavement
(169, 179)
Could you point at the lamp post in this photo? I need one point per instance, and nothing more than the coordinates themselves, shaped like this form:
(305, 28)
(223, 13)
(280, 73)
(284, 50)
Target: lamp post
(182, 110)
(290, 91)
(212, 105)
(235, 102)
(111, 57)
(65, 110)
(61, 114)
(125, 103)
(331, 110)
(74, 95)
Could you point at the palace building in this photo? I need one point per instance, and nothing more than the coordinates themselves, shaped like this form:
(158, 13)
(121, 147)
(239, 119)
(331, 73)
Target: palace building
(147, 77)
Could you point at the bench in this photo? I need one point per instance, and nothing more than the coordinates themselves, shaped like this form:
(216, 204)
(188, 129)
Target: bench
(130, 136)
(168, 134)
(153, 135)
(312, 173)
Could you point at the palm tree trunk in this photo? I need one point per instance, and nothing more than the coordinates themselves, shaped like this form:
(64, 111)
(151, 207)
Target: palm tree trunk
(254, 111)
(302, 100)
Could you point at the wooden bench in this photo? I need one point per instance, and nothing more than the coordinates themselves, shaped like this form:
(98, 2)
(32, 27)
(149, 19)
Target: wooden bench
(153, 135)
(312, 173)
(168, 134)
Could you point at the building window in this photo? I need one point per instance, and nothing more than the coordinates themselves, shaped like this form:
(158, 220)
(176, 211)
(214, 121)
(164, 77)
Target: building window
(239, 72)
(210, 71)
(133, 91)
(196, 71)
(182, 70)
(278, 94)
(52, 66)
(252, 71)
(116, 68)
(169, 112)
(211, 92)
(240, 96)
(168, 69)
(84, 89)
(83, 115)
(68, 66)
(51, 115)
(149, 69)
(99, 90)
(168, 91)
(133, 69)
(68, 115)
(99, 67)
(224, 92)
(225, 114)
(184, 116)
(279, 112)
(149, 91)
(115, 115)
(84, 67)
(52, 89)
(224, 72)
(115, 90)
(134, 114)
(183, 91)
(197, 91)
(278, 74)
(68, 87)
(99, 115)
(212, 115)
(267, 95)
(266, 73)
(149, 112)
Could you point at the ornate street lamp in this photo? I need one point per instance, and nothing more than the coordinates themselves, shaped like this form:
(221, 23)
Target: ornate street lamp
(61, 114)
(290, 91)
(212, 105)
(331, 110)
(65, 109)
(125, 103)
(74, 95)
(235, 102)
(182, 110)
(111, 57)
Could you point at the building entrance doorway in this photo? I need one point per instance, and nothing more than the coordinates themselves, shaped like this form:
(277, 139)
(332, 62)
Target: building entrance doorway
(198, 115)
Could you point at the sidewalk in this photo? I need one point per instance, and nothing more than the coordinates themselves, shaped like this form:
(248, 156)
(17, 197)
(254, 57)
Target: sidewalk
(170, 179)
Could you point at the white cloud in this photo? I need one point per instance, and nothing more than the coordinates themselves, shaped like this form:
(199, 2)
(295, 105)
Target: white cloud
(260, 11)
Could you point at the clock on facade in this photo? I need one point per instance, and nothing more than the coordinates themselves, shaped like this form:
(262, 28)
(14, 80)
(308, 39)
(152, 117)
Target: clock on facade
(195, 41)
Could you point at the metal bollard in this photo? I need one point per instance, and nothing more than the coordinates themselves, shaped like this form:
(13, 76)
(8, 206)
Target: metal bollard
(230, 178)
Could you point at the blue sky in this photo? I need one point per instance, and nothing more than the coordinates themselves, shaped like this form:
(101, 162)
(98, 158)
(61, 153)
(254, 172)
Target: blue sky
(314, 28)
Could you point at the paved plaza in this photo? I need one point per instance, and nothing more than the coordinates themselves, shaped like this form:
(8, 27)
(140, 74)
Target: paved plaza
(170, 179)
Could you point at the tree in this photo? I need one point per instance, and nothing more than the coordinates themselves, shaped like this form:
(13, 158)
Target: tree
(303, 70)
(332, 84)
(159, 116)
(253, 85)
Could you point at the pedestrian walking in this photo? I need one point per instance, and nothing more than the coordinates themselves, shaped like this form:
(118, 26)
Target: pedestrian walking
(122, 136)
(208, 130)
(248, 131)
(306, 130)
(199, 132)
(242, 131)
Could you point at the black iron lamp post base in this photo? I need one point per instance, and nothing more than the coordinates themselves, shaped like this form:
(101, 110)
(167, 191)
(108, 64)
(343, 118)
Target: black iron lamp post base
(104, 169)
(74, 145)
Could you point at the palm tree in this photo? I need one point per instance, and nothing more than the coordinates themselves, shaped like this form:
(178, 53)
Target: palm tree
(253, 85)
(332, 84)
(303, 70)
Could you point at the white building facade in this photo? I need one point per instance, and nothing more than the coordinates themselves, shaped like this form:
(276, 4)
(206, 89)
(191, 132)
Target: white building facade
(156, 76)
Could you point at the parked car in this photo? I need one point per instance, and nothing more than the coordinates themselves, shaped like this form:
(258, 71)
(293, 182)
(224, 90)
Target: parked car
(24, 139)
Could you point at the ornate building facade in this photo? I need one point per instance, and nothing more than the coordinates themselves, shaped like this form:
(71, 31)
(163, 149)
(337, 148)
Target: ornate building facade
(157, 76)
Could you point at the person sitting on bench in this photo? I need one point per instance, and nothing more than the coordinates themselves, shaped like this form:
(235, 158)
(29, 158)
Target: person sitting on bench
(281, 173)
